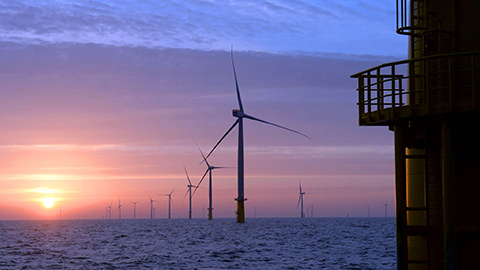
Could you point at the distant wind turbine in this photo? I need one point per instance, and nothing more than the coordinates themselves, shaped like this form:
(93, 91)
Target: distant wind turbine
(386, 205)
(119, 209)
(189, 192)
(209, 171)
(239, 114)
(308, 211)
(134, 208)
(151, 207)
(110, 211)
(311, 209)
(300, 200)
(170, 200)
(60, 214)
(368, 211)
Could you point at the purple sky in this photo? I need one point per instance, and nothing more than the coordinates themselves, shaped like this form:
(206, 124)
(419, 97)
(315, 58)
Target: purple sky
(102, 100)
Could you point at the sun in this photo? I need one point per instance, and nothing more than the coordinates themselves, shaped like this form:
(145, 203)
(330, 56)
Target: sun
(48, 202)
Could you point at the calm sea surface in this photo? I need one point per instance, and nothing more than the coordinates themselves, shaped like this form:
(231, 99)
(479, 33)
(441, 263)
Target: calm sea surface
(261, 243)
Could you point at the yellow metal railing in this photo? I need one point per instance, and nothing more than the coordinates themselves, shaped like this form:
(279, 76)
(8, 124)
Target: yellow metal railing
(416, 87)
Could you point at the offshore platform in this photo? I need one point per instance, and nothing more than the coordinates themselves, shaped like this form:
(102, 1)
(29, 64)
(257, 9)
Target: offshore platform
(431, 102)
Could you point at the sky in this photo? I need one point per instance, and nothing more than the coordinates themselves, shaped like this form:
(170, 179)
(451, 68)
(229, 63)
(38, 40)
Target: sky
(103, 101)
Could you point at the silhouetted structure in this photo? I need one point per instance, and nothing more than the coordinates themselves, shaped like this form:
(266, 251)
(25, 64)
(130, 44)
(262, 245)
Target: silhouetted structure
(431, 101)
(134, 208)
(189, 192)
(210, 188)
(170, 201)
(119, 209)
(300, 200)
(240, 115)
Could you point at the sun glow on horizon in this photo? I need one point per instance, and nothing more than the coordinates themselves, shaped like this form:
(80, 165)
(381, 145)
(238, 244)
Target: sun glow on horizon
(48, 202)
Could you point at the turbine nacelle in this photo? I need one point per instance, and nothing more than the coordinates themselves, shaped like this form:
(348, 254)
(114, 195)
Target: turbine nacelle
(238, 113)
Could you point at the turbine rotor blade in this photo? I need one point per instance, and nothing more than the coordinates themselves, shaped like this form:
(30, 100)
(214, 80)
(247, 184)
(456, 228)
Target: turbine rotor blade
(204, 158)
(173, 190)
(201, 180)
(213, 168)
(236, 83)
(221, 139)
(299, 198)
(186, 193)
(282, 127)
(188, 178)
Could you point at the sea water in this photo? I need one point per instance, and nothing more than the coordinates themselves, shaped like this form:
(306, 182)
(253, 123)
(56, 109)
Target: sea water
(260, 243)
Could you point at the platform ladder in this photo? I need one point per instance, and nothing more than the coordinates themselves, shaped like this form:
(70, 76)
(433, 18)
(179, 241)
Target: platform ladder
(422, 225)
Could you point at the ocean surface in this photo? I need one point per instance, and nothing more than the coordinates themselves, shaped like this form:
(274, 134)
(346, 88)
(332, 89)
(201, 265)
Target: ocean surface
(260, 243)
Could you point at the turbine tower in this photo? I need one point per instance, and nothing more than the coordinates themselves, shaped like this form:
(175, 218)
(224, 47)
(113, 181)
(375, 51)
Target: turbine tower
(240, 115)
(311, 210)
(386, 205)
(368, 210)
(151, 207)
(119, 209)
(189, 192)
(300, 200)
(134, 208)
(170, 200)
(110, 211)
(209, 171)
(431, 102)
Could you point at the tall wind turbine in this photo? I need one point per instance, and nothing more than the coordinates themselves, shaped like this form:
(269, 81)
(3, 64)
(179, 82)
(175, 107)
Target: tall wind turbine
(209, 171)
(134, 208)
(170, 200)
(311, 209)
(60, 214)
(189, 192)
(308, 211)
(368, 211)
(240, 114)
(151, 207)
(300, 200)
(119, 209)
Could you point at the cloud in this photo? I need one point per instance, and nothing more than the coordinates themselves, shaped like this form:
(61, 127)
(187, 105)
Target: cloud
(208, 25)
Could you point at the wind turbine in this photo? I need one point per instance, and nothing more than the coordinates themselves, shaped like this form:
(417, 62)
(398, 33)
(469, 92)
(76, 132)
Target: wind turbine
(308, 211)
(134, 208)
(170, 200)
(300, 199)
(209, 171)
(60, 214)
(386, 205)
(151, 207)
(240, 114)
(110, 211)
(189, 191)
(368, 212)
(119, 209)
(311, 209)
